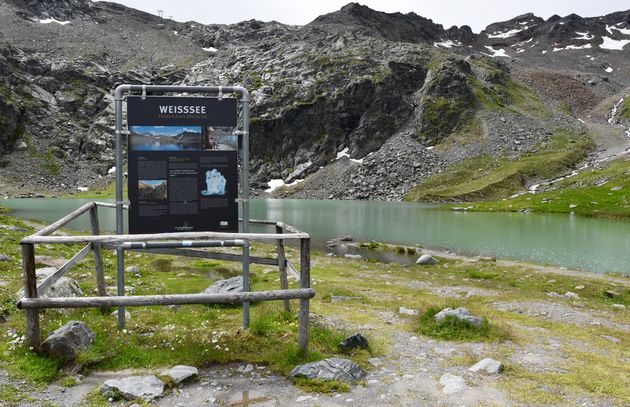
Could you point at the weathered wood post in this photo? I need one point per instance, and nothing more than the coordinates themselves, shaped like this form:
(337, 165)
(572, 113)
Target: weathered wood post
(98, 258)
(282, 267)
(305, 282)
(30, 291)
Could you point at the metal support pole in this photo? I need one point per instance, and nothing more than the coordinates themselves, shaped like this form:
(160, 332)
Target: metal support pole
(245, 200)
(120, 260)
(30, 291)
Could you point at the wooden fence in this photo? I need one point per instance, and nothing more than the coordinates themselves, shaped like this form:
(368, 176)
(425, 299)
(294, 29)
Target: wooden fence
(161, 243)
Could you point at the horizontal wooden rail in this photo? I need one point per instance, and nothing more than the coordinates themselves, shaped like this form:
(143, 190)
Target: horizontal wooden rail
(36, 239)
(65, 220)
(52, 279)
(175, 299)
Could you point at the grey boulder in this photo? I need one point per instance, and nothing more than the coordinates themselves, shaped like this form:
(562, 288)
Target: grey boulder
(426, 260)
(355, 341)
(330, 369)
(4, 257)
(452, 384)
(134, 387)
(180, 373)
(231, 285)
(68, 341)
(487, 365)
(459, 313)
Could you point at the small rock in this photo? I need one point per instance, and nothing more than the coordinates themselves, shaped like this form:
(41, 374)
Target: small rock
(248, 369)
(21, 146)
(231, 285)
(611, 338)
(134, 387)
(579, 287)
(353, 256)
(355, 341)
(487, 365)
(618, 306)
(346, 238)
(571, 206)
(572, 295)
(459, 313)
(68, 341)
(452, 384)
(132, 269)
(337, 298)
(616, 188)
(408, 311)
(4, 257)
(611, 293)
(426, 259)
(330, 369)
(180, 373)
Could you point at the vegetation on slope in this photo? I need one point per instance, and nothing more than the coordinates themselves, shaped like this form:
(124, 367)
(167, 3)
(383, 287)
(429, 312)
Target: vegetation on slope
(487, 177)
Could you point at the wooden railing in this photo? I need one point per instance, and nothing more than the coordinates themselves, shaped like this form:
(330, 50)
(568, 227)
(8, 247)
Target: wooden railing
(32, 301)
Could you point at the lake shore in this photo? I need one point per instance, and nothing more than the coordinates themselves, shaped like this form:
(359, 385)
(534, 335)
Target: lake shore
(556, 331)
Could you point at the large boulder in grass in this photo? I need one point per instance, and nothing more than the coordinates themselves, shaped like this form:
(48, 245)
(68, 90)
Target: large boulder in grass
(330, 369)
(146, 388)
(68, 341)
(460, 313)
(64, 287)
(231, 285)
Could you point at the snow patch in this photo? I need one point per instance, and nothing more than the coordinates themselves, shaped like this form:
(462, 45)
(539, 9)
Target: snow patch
(447, 44)
(210, 49)
(111, 170)
(583, 36)
(277, 183)
(506, 34)
(609, 69)
(585, 46)
(544, 51)
(613, 44)
(52, 20)
(344, 153)
(175, 32)
(497, 52)
(623, 31)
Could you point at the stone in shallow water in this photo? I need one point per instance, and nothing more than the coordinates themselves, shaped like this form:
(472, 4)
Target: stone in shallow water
(452, 384)
(68, 341)
(355, 341)
(487, 365)
(134, 387)
(231, 285)
(330, 369)
(459, 313)
(180, 373)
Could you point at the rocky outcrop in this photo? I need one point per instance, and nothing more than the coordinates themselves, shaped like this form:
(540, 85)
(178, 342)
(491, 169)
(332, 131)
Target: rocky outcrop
(146, 388)
(330, 369)
(68, 341)
(231, 285)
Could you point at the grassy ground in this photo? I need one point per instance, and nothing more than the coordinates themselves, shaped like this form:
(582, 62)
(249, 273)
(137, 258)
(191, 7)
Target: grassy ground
(486, 177)
(602, 192)
(199, 335)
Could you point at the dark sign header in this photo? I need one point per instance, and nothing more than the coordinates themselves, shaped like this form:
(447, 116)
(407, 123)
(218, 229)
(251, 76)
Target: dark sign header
(173, 111)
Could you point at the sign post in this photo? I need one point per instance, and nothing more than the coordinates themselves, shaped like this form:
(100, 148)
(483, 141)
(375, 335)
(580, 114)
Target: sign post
(182, 166)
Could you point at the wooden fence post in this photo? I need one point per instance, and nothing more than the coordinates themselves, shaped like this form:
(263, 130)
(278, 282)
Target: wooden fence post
(30, 291)
(98, 258)
(305, 282)
(282, 267)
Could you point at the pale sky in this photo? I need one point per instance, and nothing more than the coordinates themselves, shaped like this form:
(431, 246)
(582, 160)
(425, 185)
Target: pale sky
(475, 13)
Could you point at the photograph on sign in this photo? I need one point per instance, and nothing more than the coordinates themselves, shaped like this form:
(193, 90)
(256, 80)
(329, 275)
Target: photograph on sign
(164, 138)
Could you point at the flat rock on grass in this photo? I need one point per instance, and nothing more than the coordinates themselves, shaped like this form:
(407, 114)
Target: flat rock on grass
(487, 365)
(180, 373)
(68, 341)
(460, 313)
(231, 285)
(330, 369)
(146, 388)
(452, 384)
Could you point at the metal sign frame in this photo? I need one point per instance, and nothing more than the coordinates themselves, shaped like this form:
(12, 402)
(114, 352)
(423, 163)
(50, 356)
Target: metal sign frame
(219, 91)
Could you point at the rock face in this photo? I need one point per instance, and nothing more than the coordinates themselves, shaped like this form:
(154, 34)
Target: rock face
(487, 365)
(355, 341)
(459, 313)
(180, 373)
(426, 259)
(330, 369)
(452, 384)
(231, 285)
(146, 388)
(68, 341)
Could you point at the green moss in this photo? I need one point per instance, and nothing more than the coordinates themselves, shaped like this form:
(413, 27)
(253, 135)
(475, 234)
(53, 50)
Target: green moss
(321, 386)
(11, 396)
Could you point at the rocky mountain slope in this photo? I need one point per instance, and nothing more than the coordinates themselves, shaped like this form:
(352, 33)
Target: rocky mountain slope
(357, 104)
